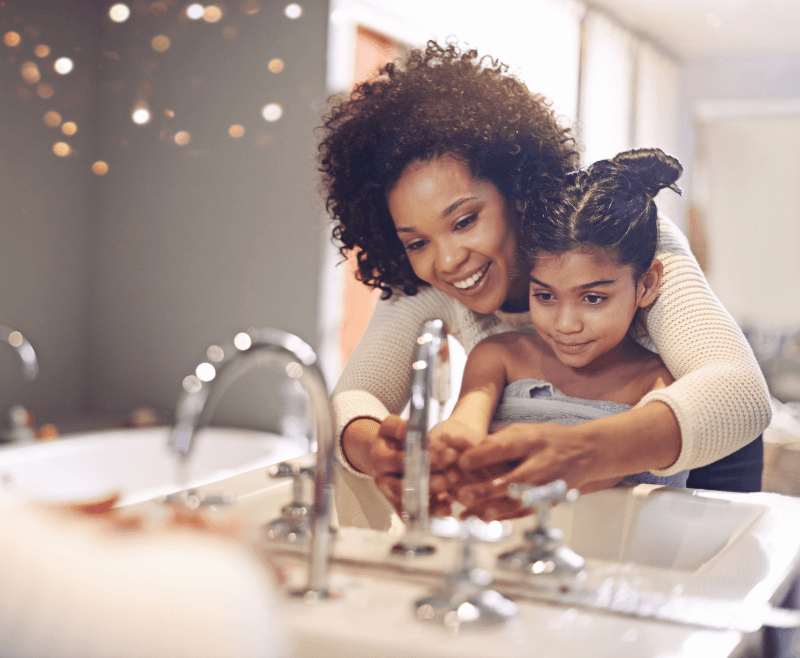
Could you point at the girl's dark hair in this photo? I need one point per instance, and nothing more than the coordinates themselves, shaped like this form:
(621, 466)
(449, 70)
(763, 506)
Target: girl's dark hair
(608, 205)
(438, 101)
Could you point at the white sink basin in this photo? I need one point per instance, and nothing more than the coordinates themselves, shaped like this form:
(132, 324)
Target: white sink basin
(702, 552)
(135, 463)
(653, 526)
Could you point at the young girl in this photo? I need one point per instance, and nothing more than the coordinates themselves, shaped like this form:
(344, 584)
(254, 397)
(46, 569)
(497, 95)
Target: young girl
(592, 269)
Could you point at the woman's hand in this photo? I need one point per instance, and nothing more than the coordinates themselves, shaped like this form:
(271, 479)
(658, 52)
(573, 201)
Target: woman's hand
(378, 450)
(537, 454)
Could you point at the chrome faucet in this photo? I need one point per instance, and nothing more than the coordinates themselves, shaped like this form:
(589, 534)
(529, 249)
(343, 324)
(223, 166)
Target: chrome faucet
(430, 379)
(202, 391)
(30, 366)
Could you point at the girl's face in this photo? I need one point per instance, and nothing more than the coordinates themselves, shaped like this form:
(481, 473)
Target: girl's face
(582, 303)
(457, 232)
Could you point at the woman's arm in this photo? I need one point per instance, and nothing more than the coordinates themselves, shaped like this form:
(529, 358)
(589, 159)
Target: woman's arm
(719, 399)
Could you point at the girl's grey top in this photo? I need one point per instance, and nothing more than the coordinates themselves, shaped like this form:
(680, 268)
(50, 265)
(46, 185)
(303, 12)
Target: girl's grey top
(536, 401)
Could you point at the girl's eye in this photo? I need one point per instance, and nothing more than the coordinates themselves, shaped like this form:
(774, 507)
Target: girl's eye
(594, 299)
(414, 246)
(466, 221)
(543, 296)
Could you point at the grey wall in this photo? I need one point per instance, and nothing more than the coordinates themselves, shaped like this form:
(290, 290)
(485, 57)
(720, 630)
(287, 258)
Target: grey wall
(45, 227)
(178, 247)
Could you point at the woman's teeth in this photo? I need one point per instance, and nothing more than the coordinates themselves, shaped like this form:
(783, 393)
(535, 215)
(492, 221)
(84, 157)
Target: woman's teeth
(468, 283)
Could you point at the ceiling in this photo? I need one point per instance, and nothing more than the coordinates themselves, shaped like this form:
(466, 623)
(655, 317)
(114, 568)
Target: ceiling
(691, 28)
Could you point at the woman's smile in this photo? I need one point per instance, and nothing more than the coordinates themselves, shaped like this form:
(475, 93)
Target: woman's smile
(472, 282)
(456, 231)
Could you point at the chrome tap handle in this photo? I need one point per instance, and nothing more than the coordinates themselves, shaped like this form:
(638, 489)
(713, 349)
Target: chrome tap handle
(298, 475)
(554, 492)
(464, 597)
(543, 553)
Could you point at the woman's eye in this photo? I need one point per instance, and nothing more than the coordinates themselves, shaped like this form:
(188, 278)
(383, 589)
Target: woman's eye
(594, 299)
(466, 221)
(414, 246)
(543, 296)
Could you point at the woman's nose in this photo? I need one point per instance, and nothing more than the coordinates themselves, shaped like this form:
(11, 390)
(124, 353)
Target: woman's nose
(450, 256)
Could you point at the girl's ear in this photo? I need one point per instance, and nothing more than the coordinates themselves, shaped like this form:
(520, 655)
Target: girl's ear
(649, 284)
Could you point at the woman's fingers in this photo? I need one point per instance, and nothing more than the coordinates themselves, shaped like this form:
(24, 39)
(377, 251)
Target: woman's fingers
(498, 510)
(391, 486)
(393, 429)
(508, 444)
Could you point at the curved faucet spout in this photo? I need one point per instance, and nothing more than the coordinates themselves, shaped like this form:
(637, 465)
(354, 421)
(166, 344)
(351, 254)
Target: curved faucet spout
(27, 356)
(256, 349)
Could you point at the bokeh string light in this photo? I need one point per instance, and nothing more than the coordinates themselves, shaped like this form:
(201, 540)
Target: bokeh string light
(38, 75)
(119, 13)
(63, 65)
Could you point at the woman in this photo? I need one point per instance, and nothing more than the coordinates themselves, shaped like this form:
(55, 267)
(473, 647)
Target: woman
(428, 171)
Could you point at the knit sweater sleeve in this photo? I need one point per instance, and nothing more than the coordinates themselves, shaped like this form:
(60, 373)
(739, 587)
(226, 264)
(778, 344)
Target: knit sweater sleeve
(719, 398)
(376, 378)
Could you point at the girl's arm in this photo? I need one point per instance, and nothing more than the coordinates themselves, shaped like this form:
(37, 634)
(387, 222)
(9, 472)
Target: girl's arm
(485, 377)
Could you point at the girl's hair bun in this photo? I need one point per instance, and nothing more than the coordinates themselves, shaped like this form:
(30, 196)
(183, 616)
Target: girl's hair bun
(653, 168)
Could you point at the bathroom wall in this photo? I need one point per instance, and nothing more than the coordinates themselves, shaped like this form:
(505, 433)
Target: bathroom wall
(195, 232)
(741, 118)
(45, 229)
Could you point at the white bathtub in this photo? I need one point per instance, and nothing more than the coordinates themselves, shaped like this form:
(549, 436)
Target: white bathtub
(135, 462)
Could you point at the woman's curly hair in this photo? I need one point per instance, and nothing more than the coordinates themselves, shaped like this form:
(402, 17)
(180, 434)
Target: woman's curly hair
(439, 101)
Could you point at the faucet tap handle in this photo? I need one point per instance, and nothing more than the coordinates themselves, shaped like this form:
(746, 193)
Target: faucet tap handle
(543, 553)
(286, 470)
(553, 492)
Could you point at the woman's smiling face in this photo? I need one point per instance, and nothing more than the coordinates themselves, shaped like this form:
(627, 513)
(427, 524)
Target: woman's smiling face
(457, 232)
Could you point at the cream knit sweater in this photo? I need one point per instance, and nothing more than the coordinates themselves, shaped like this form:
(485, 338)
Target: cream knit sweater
(720, 397)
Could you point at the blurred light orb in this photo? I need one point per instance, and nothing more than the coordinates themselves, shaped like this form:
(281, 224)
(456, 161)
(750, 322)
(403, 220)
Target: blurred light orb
(100, 168)
(242, 341)
(141, 116)
(161, 43)
(158, 8)
(294, 370)
(276, 65)
(293, 11)
(63, 65)
(229, 32)
(191, 384)
(61, 149)
(12, 39)
(45, 90)
(119, 13)
(272, 112)
(205, 372)
(182, 138)
(69, 128)
(250, 7)
(52, 119)
(170, 114)
(215, 353)
(41, 50)
(30, 73)
(212, 14)
(15, 339)
(195, 11)
(236, 131)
